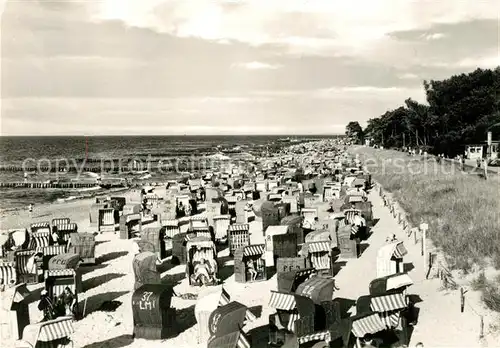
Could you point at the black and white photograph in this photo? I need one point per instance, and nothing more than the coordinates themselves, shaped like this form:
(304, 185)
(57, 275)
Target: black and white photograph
(249, 173)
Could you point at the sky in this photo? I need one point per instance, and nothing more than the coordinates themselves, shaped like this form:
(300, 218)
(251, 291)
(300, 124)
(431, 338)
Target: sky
(124, 67)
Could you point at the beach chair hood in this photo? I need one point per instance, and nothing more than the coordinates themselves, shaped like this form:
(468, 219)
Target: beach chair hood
(318, 236)
(317, 288)
(227, 319)
(385, 255)
(144, 265)
(48, 331)
(64, 261)
(290, 281)
(391, 283)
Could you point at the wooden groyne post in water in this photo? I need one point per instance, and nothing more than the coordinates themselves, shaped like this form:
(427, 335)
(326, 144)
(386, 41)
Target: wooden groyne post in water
(42, 185)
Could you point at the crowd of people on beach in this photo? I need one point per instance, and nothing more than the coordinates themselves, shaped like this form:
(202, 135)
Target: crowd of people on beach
(205, 271)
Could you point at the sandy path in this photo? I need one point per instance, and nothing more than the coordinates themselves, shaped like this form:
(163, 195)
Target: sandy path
(440, 322)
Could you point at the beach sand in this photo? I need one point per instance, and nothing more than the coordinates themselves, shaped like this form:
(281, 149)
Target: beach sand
(440, 323)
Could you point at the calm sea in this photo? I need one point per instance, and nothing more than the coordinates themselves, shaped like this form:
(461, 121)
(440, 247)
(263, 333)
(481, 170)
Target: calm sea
(15, 150)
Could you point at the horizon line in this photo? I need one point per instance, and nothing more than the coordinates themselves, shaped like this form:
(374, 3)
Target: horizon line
(169, 135)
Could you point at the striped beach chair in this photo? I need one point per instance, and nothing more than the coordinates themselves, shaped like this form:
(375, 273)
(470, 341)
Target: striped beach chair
(53, 250)
(349, 215)
(8, 273)
(48, 334)
(60, 221)
(221, 225)
(231, 204)
(40, 227)
(369, 323)
(152, 199)
(106, 220)
(238, 236)
(203, 253)
(64, 230)
(285, 303)
(319, 254)
(316, 336)
(40, 240)
(57, 280)
(172, 228)
(198, 222)
(26, 266)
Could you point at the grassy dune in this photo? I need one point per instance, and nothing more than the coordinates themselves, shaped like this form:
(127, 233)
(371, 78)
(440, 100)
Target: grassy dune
(462, 209)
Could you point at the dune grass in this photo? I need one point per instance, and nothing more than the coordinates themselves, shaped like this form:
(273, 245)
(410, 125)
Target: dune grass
(462, 209)
(489, 289)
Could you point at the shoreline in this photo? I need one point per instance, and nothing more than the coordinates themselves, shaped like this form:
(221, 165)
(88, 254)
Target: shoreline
(4, 213)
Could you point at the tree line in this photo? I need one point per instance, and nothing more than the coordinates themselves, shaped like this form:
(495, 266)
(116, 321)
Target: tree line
(460, 110)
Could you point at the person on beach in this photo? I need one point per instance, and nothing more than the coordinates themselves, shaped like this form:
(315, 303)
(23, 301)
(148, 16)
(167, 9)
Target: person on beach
(46, 305)
(180, 210)
(251, 270)
(30, 208)
(360, 224)
(359, 220)
(201, 272)
(68, 299)
(391, 238)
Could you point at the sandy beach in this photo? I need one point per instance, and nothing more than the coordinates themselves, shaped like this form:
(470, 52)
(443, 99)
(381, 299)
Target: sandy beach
(440, 322)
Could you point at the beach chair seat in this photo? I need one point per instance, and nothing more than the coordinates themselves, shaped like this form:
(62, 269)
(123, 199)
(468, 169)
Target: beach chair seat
(57, 280)
(26, 266)
(64, 230)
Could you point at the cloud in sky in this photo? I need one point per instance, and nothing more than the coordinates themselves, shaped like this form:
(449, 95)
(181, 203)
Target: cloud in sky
(256, 66)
